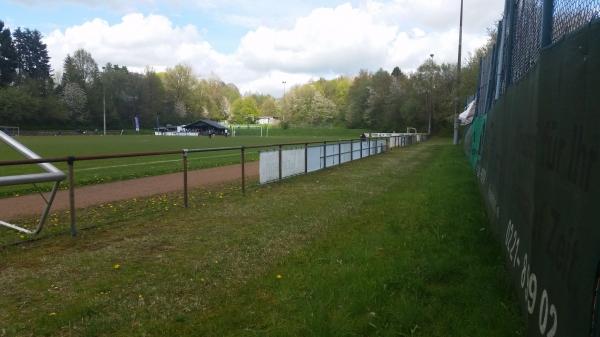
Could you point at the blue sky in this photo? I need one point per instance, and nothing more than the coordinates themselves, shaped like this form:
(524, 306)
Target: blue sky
(256, 44)
(218, 20)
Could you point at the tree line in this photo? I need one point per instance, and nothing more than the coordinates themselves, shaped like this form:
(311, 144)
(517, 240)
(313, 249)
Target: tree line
(426, 99)
(82, 94)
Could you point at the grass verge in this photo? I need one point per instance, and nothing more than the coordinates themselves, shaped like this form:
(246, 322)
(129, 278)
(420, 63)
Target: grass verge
(380, 247)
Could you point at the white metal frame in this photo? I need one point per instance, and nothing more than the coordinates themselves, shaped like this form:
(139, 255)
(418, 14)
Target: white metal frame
(52, 174)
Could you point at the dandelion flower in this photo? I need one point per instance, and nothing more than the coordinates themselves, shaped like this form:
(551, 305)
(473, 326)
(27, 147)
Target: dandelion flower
(279, 276)
(117, 266)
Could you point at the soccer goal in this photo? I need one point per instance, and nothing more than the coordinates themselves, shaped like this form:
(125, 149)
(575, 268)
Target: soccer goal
(10, 130)
(249, 130)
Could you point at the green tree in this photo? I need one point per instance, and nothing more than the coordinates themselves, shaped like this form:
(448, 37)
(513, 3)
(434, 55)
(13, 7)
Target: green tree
(81, 68)
(179, 83)
(75, 100)
(33, 61)
(152, 99)
(244, 110)
(269, 107)
(18, 106)
(121, 90)
(358, 96)
(335, 90)
(376, 101)
(322, 110)
(8, 57)
(396, 102)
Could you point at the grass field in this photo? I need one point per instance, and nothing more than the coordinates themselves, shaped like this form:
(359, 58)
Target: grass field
(380, 247)
(93, 172)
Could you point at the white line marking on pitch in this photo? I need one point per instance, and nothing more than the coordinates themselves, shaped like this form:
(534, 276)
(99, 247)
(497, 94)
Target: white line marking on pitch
(153, 162)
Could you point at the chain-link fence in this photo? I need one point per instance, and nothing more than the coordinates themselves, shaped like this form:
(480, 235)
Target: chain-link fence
(571, 14)
(527, 34)
(527, 27)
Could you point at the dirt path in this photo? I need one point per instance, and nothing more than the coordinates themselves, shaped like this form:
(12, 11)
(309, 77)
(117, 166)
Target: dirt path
(11, 208)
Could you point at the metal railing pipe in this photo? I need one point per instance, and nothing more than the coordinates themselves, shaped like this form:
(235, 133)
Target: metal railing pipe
(184, 158)
(71, 163)
(243, 164)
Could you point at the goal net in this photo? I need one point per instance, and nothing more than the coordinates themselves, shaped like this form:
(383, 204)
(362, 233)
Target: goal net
(10, 130)
(248, 130)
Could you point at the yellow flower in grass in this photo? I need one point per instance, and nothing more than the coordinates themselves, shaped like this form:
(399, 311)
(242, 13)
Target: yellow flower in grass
(279, 276)
(116, 266)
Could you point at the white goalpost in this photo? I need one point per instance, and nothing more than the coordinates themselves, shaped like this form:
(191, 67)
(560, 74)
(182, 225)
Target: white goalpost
(10, 130)
(249, 130)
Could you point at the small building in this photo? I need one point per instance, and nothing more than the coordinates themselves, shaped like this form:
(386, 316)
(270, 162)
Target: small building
(206, 127)
(267, 120)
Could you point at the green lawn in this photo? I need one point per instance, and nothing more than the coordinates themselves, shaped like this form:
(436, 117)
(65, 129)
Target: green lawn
(92, 172)
(384, 246)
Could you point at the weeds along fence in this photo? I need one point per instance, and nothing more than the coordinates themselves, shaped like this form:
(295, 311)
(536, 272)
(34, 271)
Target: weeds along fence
(276, 162)
(528, 26)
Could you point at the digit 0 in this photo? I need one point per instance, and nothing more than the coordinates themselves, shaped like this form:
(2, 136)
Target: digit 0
(543, 316)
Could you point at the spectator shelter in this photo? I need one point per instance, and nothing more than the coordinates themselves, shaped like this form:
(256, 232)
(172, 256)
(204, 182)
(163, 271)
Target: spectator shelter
(206, 127)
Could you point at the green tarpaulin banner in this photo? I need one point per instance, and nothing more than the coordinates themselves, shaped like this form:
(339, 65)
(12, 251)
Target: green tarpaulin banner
(537, 158)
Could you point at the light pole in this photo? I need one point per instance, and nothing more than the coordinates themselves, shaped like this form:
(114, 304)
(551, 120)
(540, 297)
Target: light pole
(104, 107)
(103, 78)
(458, 70)
(283, 114)
(431, 95)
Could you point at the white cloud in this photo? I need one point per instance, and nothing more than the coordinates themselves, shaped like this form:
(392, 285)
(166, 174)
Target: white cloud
(341, 40)
(326, 42)
(136, 41)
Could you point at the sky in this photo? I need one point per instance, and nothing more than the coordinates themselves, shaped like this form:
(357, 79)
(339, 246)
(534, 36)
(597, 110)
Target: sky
(257, 44)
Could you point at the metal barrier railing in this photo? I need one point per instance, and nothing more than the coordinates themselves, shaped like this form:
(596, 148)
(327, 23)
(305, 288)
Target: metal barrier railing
(391, 142)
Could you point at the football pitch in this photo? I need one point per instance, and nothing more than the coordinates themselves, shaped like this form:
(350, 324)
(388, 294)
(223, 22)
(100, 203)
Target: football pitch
(99, 171)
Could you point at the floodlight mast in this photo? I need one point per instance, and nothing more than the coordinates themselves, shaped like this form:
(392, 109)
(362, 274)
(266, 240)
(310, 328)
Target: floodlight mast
(52, 175)
(455, 140)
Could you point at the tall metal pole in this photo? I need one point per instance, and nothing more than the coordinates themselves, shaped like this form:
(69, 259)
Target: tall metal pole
(283, 105)
(305, 158)
(458, 70)
(280, 170)
(325, 154)
(547, 22)
(104, 107)
(185, 178)
(431, 96)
